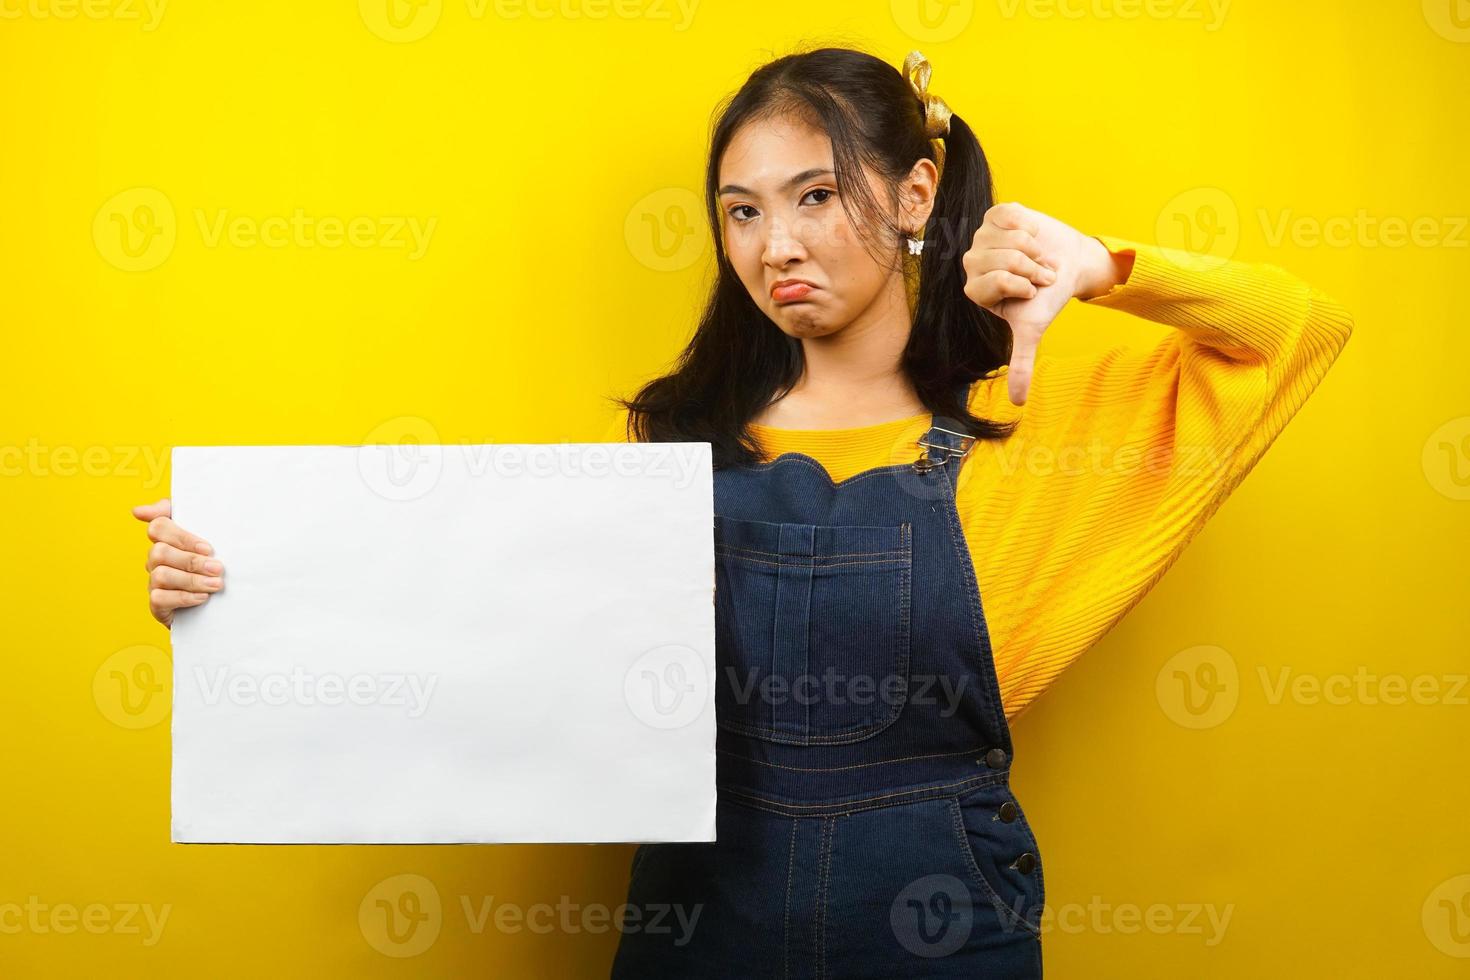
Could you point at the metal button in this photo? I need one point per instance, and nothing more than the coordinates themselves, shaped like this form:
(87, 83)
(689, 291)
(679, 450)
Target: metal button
(1008, 811)
(996, 758)
(1026, 863)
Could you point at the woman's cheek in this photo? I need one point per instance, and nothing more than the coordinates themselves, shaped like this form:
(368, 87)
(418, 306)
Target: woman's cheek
(755, 285)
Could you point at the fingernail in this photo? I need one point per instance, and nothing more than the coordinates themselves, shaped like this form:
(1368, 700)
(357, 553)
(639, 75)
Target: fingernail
(204, 548)
(214, 583)
(1048, 277)
(213, 567)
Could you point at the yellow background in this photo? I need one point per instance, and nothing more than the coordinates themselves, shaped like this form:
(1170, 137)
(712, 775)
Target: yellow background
(557, 149)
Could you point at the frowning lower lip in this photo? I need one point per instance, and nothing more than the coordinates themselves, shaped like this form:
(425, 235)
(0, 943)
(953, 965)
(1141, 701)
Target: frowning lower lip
(791, 292)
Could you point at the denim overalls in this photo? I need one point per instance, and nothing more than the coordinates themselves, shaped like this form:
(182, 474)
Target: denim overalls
(865, 824)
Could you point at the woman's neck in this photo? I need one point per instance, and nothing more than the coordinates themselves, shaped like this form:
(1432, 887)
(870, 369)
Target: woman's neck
(851, 378)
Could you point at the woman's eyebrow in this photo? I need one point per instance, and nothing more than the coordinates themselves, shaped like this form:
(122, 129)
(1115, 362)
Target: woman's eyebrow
(802, 177)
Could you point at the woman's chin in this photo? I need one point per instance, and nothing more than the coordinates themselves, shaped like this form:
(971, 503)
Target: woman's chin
(804, 320)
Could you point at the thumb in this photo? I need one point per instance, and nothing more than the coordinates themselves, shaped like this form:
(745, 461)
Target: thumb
(1023, 362)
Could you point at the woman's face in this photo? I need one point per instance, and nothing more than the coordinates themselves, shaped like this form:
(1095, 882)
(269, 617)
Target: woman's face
(783, 223)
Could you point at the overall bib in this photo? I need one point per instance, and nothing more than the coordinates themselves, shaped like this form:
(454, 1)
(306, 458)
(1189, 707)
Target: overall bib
(865, 823)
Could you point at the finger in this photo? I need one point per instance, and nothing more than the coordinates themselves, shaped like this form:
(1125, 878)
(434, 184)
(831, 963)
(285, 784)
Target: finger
(165, 530)
(1018, 263)
(1026, 243)
(163, 553)
(1023, 362)
(1014, 251)
(993, 287)
(161, 508)
(161, 601)
(989, 237)
(1012, 214)
(168, 577)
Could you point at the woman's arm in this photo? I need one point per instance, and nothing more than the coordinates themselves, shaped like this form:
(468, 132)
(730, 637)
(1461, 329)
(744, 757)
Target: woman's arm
(1121, 457)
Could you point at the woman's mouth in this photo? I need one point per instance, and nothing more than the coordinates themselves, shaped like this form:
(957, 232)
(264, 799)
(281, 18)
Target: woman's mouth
(790, 292)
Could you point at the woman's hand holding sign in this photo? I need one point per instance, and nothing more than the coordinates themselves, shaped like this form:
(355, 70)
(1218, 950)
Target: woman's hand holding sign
(181, 569)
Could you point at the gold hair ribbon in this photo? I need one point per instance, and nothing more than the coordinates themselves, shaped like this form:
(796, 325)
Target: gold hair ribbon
(917, 70)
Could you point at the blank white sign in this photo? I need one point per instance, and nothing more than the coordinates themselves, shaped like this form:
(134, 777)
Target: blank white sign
(447, 644)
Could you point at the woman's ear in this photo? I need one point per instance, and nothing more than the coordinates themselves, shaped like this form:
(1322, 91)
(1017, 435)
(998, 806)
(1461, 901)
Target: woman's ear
(917, 192)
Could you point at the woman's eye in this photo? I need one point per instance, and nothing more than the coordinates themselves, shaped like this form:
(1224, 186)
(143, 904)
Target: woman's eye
(738, 211)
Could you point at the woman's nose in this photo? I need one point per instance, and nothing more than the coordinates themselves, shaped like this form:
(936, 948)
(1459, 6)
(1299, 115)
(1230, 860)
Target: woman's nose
(783, 243)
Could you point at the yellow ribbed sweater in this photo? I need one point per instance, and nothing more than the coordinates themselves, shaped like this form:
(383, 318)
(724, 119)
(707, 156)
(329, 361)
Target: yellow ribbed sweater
(1119, 458)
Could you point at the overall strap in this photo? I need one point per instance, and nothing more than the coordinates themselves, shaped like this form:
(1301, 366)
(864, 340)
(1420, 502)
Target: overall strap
(946, 439)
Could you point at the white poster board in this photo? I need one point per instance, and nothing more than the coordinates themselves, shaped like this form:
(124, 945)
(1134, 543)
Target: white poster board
(447, 644)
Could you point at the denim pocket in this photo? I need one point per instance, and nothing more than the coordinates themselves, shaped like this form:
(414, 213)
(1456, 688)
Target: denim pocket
(991, 848)
(811, 629)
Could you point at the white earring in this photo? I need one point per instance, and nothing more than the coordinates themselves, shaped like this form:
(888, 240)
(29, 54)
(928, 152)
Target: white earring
(916, 245)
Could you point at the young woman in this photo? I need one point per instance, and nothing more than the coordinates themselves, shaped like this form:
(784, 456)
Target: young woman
(876, 476)
(890, 447)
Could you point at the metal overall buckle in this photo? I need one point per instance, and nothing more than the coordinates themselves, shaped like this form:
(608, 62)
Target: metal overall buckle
(924, 464)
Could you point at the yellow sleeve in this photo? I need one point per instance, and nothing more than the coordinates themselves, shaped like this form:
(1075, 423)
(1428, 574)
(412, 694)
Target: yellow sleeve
(1120, 458)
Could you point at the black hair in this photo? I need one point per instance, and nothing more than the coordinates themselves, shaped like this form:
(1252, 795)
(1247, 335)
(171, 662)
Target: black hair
(738, 359)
